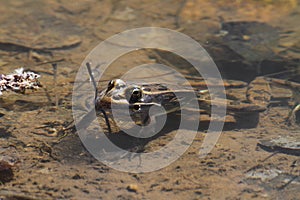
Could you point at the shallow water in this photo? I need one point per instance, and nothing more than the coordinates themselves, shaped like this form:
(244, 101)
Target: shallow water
(246, 39)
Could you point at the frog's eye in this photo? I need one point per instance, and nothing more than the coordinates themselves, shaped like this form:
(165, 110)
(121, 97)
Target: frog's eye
(110, 85)
(115, 84)
(134, 94)
(112, 82)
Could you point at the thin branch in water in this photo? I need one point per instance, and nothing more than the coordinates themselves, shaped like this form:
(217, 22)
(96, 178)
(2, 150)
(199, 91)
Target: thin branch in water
(54, 65)
(88, 65)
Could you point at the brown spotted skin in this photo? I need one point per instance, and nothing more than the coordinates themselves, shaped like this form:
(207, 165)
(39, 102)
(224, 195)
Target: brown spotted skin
(138, 98)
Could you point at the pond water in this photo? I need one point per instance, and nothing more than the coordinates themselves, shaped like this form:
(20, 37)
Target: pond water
(245, 39)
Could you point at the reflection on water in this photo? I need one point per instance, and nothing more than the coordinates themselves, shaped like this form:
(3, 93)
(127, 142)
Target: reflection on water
(252, 10)
(253, 37)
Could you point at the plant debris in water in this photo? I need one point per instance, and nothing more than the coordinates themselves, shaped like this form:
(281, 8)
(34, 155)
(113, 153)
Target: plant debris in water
(19, 81)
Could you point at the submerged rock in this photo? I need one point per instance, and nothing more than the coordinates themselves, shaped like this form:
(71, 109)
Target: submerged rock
(288, 145)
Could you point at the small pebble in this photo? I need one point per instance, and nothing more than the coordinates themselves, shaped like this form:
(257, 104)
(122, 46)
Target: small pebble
(132, 187)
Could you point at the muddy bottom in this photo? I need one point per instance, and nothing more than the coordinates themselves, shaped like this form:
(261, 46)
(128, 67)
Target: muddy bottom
(237, 167)
(40, 159)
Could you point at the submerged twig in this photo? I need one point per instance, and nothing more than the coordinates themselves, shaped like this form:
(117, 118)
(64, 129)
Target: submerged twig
(54, 65)
(88, 65)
